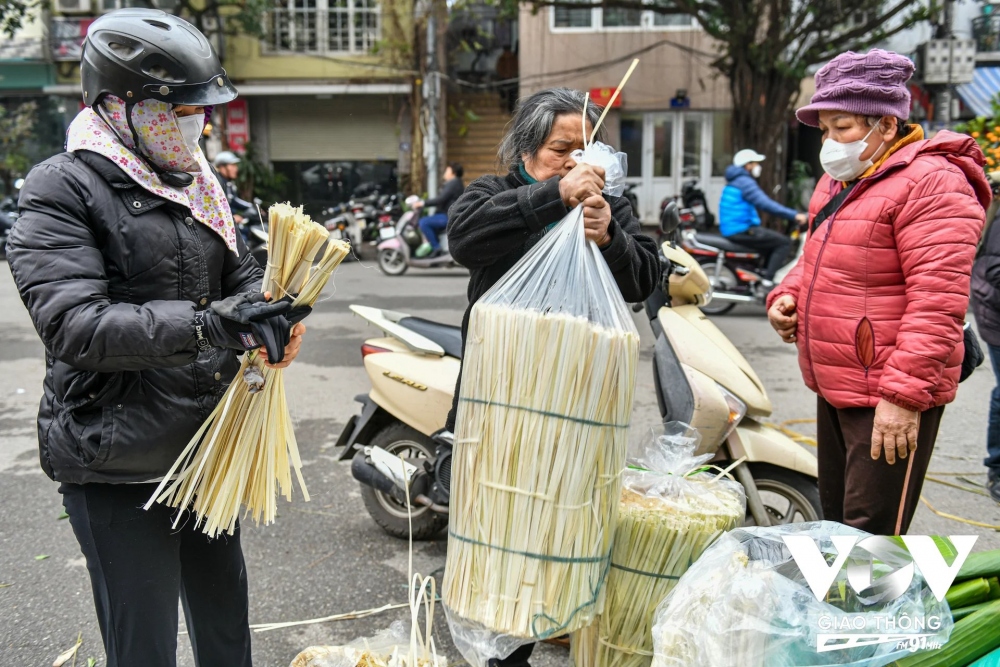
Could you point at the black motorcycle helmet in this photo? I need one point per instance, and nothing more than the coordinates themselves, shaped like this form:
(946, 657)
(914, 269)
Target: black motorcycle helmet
(147, 54)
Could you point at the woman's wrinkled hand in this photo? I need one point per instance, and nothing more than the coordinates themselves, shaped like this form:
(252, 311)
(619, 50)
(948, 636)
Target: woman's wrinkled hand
(581, 182)
(291, 350)
(784, 317)
(596, 220)
(895, 431)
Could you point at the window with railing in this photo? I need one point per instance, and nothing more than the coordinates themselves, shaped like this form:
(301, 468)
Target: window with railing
(986, 32)
(323, 26)
(591, 16)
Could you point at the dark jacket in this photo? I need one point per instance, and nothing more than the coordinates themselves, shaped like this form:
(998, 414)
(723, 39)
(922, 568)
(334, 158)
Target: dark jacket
(986, 286)
(500, 218)
(740, 200)
(449, 194)
(112, 277)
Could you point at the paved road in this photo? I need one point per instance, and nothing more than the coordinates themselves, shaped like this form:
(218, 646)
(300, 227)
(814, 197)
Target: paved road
(327, 556)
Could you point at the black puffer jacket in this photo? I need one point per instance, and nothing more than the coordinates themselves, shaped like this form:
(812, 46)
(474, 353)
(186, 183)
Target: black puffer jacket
(112, 276)
(498, 219)
(986, 286)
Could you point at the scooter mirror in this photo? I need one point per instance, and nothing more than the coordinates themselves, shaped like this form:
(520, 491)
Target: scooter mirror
(669, 218)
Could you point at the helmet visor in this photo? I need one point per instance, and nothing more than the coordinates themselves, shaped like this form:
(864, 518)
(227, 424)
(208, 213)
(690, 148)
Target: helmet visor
(217, 90)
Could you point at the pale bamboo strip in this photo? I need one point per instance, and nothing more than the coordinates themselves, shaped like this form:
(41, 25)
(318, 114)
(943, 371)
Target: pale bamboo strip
(243, 456)
(656, 541)
(540, 444)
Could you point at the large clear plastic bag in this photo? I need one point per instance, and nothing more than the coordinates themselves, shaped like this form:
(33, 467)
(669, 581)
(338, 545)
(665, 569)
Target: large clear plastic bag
(614, 163)
(745, 603)
(388, 648)
(541, 436)
(672, 508)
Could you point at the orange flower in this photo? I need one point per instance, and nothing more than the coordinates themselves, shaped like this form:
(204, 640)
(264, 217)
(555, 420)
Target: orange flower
(975, 135)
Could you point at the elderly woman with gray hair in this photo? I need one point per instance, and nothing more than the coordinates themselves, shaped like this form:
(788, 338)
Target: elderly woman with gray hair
(499, 218)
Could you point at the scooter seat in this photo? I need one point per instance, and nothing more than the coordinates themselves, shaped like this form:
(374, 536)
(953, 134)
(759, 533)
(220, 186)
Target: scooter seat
(445, 335)
(722, 243)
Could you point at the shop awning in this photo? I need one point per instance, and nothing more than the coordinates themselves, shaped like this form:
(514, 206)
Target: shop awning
(979, 94)
(25, 75)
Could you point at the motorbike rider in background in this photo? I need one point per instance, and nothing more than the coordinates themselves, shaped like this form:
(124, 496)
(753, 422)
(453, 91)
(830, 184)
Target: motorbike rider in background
(227, 166)
(738, 217)
(432, 225)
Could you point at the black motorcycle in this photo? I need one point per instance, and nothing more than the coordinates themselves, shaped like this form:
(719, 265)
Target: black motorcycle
(692, 207)
(8, 216)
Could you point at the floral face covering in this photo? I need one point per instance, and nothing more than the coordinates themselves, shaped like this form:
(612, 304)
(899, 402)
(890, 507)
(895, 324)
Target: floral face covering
(163, 144)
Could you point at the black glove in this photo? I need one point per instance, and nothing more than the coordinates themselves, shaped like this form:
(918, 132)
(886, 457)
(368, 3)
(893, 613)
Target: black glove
(245, 322)
(296, 315)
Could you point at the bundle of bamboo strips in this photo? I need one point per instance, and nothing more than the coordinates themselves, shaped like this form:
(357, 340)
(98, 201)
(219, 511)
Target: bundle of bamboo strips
(660, 532)
(540, 444)
(244, 453)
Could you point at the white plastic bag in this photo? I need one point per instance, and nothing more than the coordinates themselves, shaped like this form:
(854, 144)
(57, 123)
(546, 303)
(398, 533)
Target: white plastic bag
(615, 166)
(672, 509)
(746, 603)
(389, 648)
(541, 437)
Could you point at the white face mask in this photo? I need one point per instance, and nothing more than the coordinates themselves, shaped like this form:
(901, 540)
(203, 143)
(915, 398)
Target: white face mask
(191, 127)
(755, 172)
(843, 161)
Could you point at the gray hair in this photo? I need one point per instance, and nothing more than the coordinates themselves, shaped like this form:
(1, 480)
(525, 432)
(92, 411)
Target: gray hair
(533, 120)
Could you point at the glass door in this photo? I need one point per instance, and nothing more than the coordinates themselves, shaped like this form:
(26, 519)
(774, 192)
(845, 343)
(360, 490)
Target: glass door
(664, 149)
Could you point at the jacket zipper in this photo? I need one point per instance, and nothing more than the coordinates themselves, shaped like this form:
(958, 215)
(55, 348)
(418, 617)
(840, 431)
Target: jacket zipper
(819, 259)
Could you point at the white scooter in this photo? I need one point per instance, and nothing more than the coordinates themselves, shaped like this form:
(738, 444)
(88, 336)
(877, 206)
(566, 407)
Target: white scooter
(700, 378)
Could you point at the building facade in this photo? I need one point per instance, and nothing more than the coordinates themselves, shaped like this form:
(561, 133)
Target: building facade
(675, 112)
(315, 103)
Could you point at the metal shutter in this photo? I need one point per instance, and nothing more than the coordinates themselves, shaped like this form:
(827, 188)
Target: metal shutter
(344, 127)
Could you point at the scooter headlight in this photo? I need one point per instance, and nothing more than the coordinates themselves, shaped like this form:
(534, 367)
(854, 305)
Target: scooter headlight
(737, 409)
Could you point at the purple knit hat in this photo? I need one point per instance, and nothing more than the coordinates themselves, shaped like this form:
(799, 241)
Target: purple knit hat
(869, 84)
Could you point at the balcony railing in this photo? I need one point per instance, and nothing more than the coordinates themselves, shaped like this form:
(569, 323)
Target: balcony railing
(349, 27)
(986, 32)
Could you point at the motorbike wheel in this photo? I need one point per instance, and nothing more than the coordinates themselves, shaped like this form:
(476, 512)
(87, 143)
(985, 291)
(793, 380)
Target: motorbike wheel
(392, 262)
(788, 496)
(401, 440)
(725, 281)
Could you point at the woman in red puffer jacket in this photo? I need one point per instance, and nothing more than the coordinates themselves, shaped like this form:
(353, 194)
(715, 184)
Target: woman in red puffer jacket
(877, 303)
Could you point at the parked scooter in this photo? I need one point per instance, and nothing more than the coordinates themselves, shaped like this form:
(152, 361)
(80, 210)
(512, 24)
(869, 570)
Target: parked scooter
(397, 250)
(700, 379)
(735, 270)
(692, 206)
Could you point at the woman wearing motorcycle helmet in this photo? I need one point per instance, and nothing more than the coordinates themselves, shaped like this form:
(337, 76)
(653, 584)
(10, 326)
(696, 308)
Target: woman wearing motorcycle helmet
(128, 261)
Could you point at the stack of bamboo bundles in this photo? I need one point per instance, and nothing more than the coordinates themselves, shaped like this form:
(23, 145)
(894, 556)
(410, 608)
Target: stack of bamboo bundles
(541, 437)
(667, 517)
(244, 453)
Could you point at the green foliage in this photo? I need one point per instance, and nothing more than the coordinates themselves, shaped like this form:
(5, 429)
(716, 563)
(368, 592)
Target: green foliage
(14, 14)
(17, 125)
(800, 183)
(258, 179)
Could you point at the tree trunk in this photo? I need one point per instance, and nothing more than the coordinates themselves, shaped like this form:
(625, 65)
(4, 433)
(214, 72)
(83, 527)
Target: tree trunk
(418, 166)
(761, 99)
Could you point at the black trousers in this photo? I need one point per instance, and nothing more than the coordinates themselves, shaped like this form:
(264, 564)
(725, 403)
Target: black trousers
(768, 242)
(519, 658)
(859, 491)
(139, 567)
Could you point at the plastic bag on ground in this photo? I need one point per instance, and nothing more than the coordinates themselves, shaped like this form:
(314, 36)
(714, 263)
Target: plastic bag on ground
(746, 603)
(540, 444)
(672, 508)
(388, 648)
(614, 163)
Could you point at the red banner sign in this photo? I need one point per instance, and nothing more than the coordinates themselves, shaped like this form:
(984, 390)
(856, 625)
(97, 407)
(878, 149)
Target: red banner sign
(237, 125)
(602, 96)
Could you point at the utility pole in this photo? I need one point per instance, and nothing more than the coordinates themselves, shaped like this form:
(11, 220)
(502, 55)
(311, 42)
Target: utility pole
(943, 104)
(432, 96)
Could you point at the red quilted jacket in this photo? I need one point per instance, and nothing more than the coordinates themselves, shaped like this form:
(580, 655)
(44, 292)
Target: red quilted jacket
(883, 285)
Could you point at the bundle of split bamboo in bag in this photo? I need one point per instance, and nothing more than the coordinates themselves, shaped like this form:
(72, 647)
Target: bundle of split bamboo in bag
(244, 453)
(665, 522)
(542, 427)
